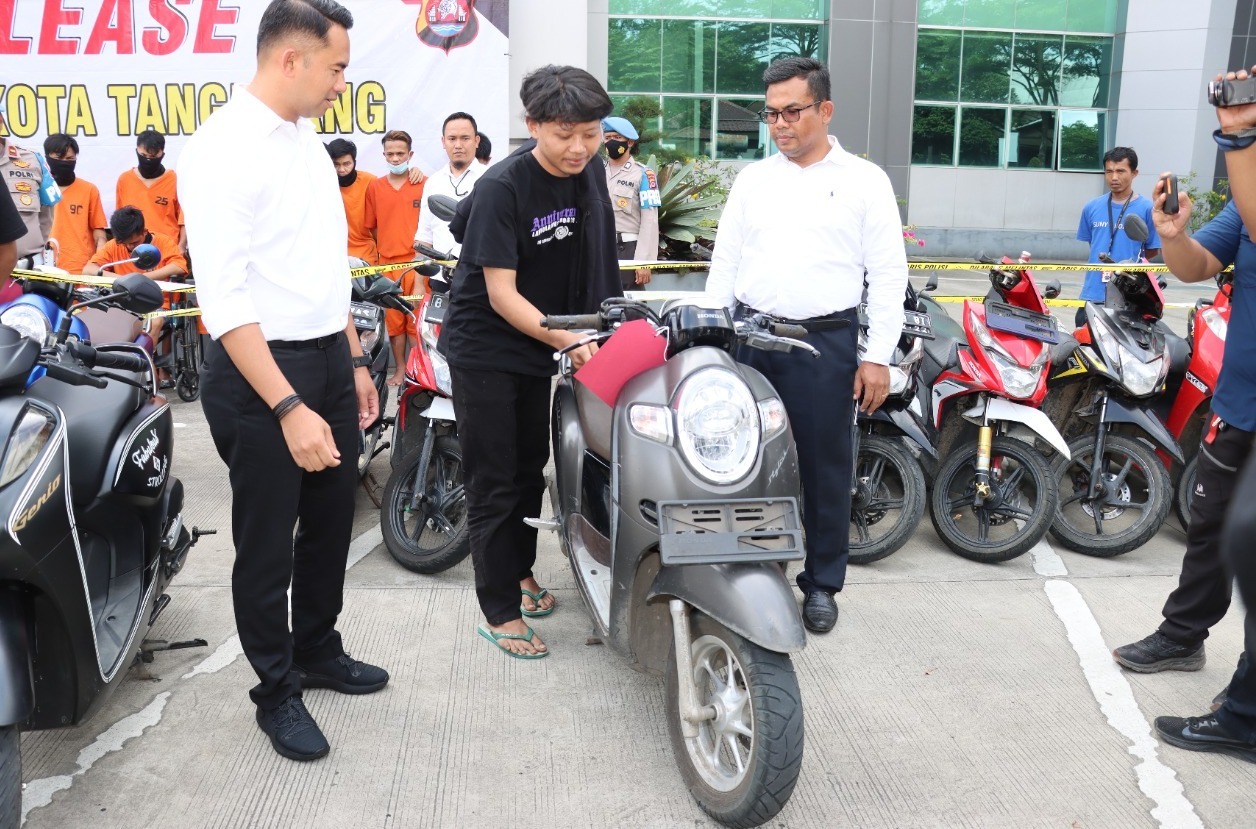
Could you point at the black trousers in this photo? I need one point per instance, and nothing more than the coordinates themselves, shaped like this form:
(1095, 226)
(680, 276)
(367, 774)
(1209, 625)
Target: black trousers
(1202, 596)
(270, 496)
(1238, 714)
(627, 251)
(818, 397)
(503, 430)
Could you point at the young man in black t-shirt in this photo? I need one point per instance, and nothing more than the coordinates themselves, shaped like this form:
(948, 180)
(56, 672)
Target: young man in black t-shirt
(539, 240)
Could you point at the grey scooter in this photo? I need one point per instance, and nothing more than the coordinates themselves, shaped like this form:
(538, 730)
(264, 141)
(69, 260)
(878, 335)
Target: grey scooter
(677, 506)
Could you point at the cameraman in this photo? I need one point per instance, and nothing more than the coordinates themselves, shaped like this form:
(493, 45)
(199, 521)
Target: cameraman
(1232, 728)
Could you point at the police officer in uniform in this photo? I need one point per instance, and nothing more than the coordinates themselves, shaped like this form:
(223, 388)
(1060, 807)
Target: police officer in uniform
(34, 193)
(635, 199)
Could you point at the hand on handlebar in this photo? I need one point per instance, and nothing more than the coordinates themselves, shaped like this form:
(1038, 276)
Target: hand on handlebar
(309, 440)
(581, 355)
(872, 386)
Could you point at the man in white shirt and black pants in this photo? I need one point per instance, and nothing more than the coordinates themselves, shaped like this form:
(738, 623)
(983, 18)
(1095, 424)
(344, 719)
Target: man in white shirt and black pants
(798, 234)
(286, 388)
(459, 136)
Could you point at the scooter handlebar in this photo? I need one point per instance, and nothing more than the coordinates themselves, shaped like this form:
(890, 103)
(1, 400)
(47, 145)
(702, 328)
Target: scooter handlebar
(785, 329)
(65, 374)
(92, 358)
(558, 322)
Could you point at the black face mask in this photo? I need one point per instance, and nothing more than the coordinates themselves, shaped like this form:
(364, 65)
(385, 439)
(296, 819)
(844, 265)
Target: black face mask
(150, 167)
(616, 148)
(348, 179)
(62, 170)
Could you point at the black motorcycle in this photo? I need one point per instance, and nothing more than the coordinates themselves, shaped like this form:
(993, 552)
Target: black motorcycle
(93, 528)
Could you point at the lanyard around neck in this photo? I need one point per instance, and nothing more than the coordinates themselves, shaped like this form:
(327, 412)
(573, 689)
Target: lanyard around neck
(1112, 228)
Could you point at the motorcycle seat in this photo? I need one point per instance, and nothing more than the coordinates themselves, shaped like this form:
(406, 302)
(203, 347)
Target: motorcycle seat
(93, 418)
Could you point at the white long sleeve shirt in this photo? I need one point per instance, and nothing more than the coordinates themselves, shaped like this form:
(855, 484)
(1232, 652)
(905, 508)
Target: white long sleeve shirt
(269, 242)
(444, 182)
(795, 242)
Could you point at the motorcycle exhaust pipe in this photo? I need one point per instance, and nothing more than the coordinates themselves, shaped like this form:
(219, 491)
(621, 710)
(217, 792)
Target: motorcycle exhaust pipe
(690, 712)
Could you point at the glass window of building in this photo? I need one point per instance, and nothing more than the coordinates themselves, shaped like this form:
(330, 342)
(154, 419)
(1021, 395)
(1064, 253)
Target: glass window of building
(1013, 83)
(692, 70)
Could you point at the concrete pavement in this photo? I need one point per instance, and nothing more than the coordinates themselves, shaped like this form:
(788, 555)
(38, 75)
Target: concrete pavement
(952, 694)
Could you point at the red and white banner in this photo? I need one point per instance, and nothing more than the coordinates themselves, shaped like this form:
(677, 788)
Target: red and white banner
(105, 70)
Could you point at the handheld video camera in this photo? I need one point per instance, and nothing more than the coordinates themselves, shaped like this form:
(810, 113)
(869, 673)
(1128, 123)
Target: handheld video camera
(1225, 93)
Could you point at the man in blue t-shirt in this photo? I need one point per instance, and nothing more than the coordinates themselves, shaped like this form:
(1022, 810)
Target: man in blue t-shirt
(1102, 213)
(1202, 596)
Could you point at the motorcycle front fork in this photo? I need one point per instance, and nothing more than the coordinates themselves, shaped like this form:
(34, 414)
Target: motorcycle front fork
(418, 493)
(1096, 461)
(691, 713)
(982, 487)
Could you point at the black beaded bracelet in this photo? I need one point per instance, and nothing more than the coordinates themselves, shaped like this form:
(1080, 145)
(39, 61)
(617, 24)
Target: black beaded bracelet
(283, 407)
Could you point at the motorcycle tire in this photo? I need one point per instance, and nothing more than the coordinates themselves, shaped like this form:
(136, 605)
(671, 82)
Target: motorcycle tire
(417, 540)
(10, 776)
(764, 683)
(891, 498)
(961, 526)
(1186, 492)
(188, 383)
(368, 438)
(1146, 483)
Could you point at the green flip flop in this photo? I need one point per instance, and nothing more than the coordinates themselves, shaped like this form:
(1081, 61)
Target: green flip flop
(496, 638)
(536, 597)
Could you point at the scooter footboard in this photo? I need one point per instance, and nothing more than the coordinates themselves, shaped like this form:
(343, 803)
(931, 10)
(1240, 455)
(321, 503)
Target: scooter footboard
(753, 600)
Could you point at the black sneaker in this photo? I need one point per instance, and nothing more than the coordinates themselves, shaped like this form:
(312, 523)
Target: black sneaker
(344, 674)
(1203, 734)
(1159, 653)
(292, 731)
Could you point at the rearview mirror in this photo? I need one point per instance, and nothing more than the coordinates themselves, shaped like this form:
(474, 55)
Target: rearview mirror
(1136, 229)
(146, 257)
(139, 293)
(442, 207)
(1052, 289)
(931, 284)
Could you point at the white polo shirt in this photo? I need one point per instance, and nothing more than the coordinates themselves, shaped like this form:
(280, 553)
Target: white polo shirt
(444, 182)
(796, 241)
(269, 243)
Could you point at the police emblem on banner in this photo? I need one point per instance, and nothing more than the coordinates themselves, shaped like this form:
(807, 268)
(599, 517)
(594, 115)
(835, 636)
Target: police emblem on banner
(447, 24)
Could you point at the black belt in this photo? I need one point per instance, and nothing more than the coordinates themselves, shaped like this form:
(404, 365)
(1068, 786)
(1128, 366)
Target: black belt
(318, 342)
(828, 322)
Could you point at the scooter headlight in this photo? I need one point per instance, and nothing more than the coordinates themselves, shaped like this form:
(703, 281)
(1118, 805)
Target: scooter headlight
(369, 339)
(1018, 380)
(717, 425)
(29, 436)
(440, 367)
(1139, 377)
(27, 321)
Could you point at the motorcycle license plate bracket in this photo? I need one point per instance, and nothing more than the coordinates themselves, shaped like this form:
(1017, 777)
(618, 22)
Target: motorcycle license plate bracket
(1022, 322)
(726, 531)
(435, 313)
(365, 315)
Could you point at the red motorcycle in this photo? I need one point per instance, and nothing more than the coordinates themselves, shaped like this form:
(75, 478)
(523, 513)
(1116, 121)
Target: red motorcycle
(423, 514)
(1191, 404)
(994, 496)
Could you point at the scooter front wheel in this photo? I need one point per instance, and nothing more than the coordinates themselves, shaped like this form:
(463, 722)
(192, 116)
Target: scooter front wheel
(889, 500)
(1130, 503)
(1186, 492)
(742, 766)
(427, 534)
(1013, 517)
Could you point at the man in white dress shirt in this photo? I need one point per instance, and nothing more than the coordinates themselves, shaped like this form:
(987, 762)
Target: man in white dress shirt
(459, 136)
(798, 234)
(286, 388)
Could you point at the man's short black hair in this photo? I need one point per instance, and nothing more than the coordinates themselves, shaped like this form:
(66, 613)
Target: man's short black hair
(564, 94)
(459, 116)
(126, 222)
(1118, 154)
(342, 147)
(485, 151)
(58, 143)
(816, 75)
(151, 140)
(313, 18)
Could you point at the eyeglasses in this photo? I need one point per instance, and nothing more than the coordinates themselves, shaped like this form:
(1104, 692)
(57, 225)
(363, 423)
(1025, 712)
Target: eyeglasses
(791, 115)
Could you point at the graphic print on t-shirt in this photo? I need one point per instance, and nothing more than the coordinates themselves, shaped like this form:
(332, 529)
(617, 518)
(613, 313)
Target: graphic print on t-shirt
(557, 224)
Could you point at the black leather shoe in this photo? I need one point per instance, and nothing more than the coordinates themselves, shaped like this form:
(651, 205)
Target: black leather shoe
(1203, 734)
(344, 674)
(1219, 699)
(1159, 653)
(292, 731)
(819, 611)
